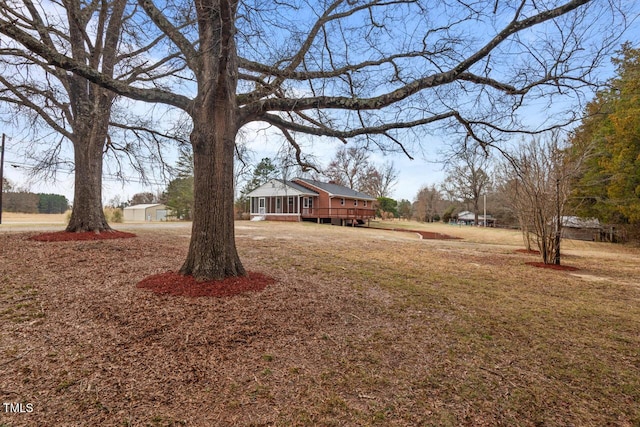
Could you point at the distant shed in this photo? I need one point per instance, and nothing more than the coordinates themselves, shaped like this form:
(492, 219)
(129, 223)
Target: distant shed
(147, 212)
(577, 228)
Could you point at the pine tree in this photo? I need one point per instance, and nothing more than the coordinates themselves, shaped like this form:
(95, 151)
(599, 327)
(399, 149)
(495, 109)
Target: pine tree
(609, 187)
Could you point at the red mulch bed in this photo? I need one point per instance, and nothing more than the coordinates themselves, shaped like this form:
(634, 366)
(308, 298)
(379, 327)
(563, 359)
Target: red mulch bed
(552, 266)
(176, 284)
(66, 236)
(432, 235)
(425, 234)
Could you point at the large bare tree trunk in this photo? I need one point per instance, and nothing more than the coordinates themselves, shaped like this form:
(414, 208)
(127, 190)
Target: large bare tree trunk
(92, 111)
(212, 251)
(87, 213)
(91, 107)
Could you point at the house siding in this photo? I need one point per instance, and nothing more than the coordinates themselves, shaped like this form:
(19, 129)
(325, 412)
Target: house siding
(323, 197)
(349, 203)
(587, 234)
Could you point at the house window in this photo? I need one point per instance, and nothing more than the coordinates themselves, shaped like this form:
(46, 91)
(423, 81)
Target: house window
(355, 203)
(341, 202)
(307, 202)
(278, 205)
(365, 203)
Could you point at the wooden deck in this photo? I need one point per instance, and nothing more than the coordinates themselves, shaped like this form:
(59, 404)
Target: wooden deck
(339, 213)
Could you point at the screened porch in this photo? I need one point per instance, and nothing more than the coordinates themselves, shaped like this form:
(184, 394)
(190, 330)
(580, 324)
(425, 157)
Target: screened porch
(278, 205)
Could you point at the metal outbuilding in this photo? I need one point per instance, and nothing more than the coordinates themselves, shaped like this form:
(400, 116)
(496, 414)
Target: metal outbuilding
(146, 212)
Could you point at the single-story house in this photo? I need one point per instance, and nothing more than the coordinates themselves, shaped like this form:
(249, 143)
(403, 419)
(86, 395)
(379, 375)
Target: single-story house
(146, 212)
(309, 200)
(469, 218)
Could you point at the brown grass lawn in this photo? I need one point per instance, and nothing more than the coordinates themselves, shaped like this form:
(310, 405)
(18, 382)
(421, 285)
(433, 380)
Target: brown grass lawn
(15, 219)
(363, 327)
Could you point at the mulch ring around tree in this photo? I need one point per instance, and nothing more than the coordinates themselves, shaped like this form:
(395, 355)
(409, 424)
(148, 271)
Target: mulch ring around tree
(66, 236)
(425, 234)
(172, 283)
(552, 266)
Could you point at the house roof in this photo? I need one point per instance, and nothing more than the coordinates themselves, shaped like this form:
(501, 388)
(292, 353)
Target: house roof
(300, 188)
(279, 187)
(577, 222)
(337, 190)
(466, 215)
(144, 206)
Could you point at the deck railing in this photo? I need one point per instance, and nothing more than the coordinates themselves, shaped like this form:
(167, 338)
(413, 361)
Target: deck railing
(345, 213)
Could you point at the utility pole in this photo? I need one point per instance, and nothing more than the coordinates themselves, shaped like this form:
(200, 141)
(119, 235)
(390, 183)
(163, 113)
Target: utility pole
(485, 209)
(1, 174)
(558, 219)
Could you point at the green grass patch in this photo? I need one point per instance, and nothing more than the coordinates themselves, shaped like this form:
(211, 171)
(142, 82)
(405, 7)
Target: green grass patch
(18, 302)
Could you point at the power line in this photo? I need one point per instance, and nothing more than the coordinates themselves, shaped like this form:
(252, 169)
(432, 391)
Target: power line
(110, 177)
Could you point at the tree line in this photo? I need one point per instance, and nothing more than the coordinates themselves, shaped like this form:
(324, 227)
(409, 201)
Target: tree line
(608, 187)
(27, 202)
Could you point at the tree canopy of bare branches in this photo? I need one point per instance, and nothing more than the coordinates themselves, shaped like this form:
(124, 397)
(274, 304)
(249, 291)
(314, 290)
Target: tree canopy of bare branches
(352, 167)
(349, 167)
(468, 178)
(380, 180)
(428, 204)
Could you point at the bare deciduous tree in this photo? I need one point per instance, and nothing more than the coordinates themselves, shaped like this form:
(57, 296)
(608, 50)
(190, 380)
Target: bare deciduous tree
(428, 204)
(379, 180)
(352, 168)
(6, 185)
(405, 209)
(143, 198)
(468, 179)
(538, 179)
(43, 97)
(363, 70)
(349, 167)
